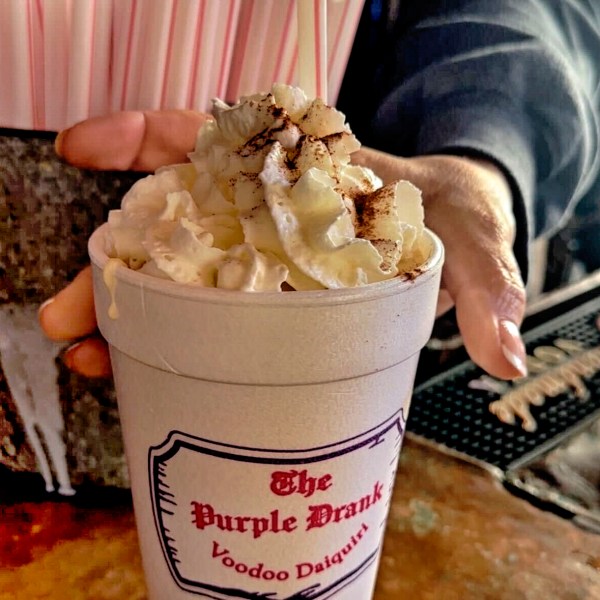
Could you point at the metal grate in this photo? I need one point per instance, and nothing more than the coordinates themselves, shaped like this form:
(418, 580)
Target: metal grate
(447, 411)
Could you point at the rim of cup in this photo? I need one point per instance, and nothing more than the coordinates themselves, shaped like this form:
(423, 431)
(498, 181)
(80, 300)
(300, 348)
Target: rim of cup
(167, 287)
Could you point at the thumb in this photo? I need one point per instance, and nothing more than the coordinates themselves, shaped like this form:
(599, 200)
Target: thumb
(489, 325)
(482, 274)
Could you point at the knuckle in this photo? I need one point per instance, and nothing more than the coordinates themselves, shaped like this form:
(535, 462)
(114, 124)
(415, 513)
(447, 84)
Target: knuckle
(511, 300)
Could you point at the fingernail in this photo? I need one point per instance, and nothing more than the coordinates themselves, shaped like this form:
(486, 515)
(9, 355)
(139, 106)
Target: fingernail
(58, 142)
(68, 356)
(44, 304)
(512, 346)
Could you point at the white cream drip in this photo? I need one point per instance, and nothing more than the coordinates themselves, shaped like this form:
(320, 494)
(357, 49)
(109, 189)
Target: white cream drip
(110, 280)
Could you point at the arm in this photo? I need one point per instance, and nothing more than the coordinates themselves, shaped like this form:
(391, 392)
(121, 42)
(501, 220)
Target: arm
(508, 86)
(509, 81)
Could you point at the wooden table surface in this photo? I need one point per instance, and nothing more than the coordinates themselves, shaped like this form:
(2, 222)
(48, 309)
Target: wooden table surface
(453, 533)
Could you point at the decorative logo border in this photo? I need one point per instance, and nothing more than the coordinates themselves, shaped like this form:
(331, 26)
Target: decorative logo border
(159, 455)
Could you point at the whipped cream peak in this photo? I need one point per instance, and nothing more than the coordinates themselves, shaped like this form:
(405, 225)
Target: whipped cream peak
(270, 199)
(316, 228)
(245, 268)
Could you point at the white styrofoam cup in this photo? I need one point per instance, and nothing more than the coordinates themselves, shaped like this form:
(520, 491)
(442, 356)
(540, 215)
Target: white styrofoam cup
(262, 430)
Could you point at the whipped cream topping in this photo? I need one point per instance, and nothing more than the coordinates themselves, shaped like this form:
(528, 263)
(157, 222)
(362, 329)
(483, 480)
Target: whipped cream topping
(270, 198)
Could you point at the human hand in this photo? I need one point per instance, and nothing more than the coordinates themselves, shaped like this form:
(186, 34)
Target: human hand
(138, 141)
(468, 204)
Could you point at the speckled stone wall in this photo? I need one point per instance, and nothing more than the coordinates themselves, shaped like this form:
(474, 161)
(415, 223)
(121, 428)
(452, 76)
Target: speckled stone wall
(47, 211)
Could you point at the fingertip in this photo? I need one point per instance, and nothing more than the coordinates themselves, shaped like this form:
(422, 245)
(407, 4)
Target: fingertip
(89, 358)
(58, 142)
(506, 369)
(108, 142)
(70, 314)
(52, 321)
(47, 322)
(44, 305)
(512, 346)
(492, 344)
